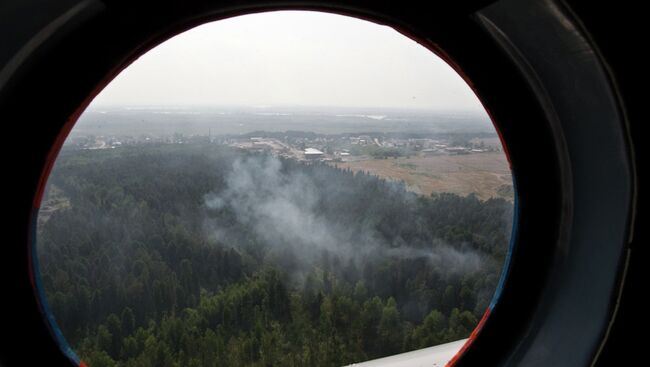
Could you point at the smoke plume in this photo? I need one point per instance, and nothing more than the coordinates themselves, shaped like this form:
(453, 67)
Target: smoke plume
(280, 207)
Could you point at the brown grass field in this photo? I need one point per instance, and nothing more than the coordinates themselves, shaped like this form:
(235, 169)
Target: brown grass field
(481, 173)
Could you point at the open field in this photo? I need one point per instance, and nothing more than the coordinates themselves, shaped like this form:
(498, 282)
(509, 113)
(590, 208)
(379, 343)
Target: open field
(54, 200)
(485, 174)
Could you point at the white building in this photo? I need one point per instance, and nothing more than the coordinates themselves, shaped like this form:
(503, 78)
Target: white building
(311, 153)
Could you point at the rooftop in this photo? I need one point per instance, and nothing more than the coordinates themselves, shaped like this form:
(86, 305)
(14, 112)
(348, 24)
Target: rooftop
(312, 151)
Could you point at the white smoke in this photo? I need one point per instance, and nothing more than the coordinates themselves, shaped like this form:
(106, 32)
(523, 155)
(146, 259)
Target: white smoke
(281, 207)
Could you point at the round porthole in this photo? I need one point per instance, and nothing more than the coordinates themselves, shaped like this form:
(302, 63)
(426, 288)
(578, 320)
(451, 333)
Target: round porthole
(264, 190)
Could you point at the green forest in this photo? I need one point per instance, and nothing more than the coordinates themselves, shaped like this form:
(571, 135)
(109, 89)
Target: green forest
(202, 255)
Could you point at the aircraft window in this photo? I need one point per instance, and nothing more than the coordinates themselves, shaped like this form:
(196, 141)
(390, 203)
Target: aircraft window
(285, 188)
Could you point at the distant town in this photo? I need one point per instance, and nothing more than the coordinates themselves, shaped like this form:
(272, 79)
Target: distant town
(429, 152)
(308, 146)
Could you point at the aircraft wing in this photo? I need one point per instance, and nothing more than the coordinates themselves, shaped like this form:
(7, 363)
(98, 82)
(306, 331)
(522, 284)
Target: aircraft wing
(437, 356)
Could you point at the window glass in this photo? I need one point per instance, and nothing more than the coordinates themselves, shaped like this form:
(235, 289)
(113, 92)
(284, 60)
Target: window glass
(286, 188)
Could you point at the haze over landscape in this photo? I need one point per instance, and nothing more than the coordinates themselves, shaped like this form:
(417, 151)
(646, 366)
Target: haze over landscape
(286, 188)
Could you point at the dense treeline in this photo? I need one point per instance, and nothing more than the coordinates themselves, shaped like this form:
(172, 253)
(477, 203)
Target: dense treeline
(178, 255)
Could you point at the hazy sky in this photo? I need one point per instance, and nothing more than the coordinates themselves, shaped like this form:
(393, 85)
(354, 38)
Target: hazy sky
(291, 58)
